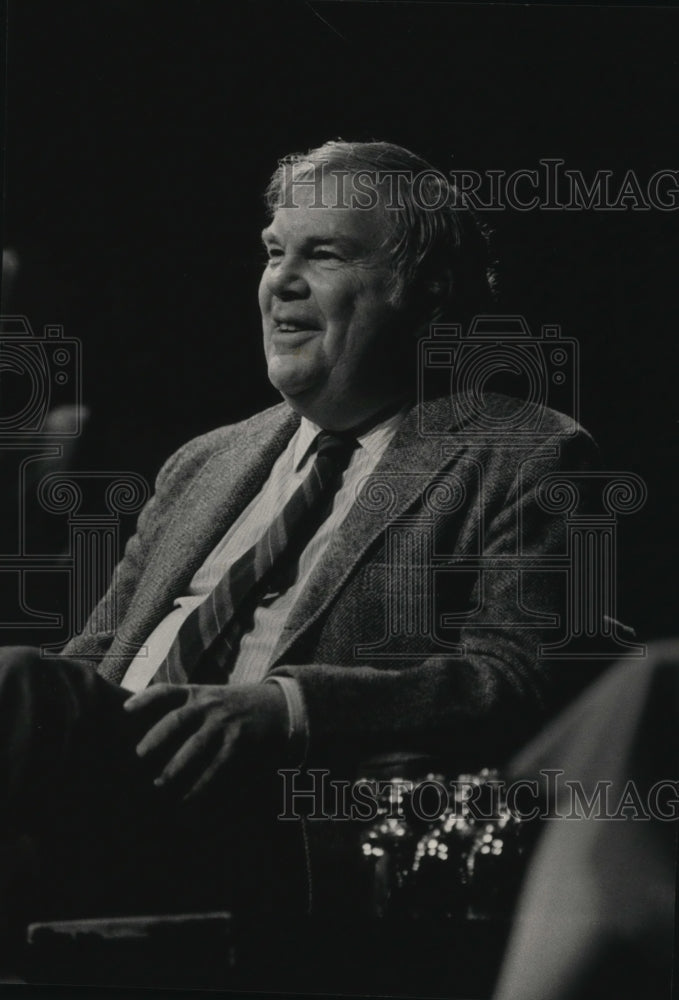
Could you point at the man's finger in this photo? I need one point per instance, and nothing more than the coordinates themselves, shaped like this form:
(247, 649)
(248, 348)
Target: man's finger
(156, 696)
(195, 755)
(210, 772)
(163, 736)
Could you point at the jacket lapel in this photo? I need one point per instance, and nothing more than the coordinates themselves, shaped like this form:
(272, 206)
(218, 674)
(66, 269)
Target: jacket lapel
(410, 462)
(218, 493)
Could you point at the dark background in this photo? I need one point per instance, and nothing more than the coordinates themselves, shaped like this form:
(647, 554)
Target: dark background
(140, 134)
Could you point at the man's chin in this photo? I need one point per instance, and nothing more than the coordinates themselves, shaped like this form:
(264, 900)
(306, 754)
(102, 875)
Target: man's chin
(307, 399)
(292, 384)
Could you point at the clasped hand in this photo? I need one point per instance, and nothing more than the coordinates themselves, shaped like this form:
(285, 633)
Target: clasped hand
(196, 734)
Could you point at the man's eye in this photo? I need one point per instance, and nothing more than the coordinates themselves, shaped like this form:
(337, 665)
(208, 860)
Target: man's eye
(326, 255)
(272, 253)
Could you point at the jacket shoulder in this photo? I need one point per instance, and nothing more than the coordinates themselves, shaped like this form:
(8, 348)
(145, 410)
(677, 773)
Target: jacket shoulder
(495, 414)
(242, 436)
(532, 415)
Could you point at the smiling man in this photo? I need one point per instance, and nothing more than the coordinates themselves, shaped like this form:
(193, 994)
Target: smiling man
(265, 617)
(328, 317)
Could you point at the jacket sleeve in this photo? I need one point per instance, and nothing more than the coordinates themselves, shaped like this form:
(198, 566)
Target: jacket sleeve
(476, 708)
(95, 639)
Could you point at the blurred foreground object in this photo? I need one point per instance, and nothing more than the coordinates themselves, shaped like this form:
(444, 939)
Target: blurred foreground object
(597, 912)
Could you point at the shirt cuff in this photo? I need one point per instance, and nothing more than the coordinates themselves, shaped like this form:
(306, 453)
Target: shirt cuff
(298, 723)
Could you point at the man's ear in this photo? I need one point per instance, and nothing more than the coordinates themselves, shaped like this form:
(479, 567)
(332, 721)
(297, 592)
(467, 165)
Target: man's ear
(425, 319)
(438, 293)
(442, 284)
(428, 301)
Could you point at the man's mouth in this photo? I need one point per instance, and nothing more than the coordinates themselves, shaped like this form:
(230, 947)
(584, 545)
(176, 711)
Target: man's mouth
(294, 326)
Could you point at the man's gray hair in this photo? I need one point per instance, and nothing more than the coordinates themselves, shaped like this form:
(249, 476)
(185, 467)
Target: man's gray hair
(439, 248)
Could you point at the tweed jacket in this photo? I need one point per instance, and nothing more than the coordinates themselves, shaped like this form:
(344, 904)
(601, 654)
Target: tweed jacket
(401, 639)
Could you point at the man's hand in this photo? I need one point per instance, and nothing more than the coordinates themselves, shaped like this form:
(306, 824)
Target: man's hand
(196, 733)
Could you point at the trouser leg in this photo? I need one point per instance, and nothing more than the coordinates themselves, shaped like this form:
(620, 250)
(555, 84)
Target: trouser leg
(108, 840)
(104, 839)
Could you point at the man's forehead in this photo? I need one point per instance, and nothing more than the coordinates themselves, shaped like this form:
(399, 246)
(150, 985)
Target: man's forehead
(308, 218)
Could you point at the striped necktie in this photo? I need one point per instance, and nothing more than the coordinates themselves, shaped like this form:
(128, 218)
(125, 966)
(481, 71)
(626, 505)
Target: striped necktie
(205, 648)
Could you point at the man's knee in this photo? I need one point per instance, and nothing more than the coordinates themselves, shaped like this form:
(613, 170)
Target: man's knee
(19, 658)
(53, 692)
(22, 672)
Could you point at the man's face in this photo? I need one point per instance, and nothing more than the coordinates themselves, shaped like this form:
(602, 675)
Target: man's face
(327, 321)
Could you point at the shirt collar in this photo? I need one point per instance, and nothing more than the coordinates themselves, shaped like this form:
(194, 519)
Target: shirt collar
(374, 440)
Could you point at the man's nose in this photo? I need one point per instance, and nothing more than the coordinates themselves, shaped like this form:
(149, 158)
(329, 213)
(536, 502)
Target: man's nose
(286, 280)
